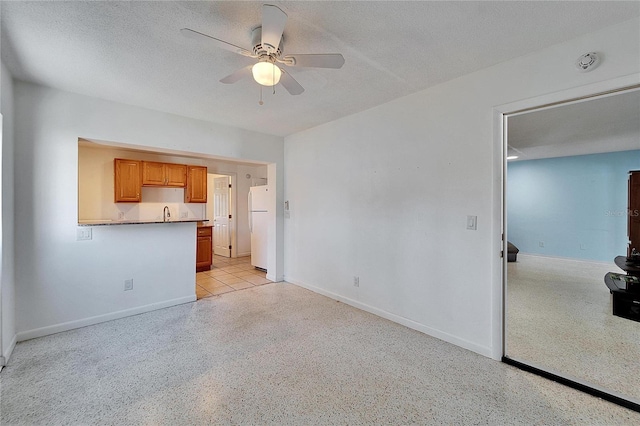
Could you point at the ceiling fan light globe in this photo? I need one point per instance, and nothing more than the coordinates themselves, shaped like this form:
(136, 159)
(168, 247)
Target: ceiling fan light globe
(266, 73)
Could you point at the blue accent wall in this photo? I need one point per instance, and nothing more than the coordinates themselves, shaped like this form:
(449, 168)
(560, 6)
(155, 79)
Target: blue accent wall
(576, 206)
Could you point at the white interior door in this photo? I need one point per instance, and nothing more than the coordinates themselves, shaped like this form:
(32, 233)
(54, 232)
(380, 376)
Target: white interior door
(221, 240)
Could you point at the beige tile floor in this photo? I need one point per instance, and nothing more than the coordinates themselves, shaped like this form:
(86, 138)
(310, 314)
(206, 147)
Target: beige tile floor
(227, 275)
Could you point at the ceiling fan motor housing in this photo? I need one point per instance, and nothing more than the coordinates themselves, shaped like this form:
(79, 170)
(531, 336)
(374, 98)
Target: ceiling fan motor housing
(262, 50)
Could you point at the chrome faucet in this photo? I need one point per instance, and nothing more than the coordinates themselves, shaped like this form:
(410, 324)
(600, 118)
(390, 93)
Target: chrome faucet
(166, 214)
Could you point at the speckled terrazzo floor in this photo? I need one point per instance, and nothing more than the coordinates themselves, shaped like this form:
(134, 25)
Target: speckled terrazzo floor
(275, 355)
(559, 317)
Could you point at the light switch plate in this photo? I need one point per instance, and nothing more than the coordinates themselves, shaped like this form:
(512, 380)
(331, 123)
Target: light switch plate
(472, 222)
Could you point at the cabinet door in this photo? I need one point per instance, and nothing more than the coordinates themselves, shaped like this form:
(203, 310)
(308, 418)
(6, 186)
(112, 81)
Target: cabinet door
(196, 190)
(175, 175)
(634, 211)
(153, 173)
(128, 180)
(203, 253)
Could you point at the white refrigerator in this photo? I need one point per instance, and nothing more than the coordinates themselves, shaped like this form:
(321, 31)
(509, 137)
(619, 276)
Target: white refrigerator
(258, 224)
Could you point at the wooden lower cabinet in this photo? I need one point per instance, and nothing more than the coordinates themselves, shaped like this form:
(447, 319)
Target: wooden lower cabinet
(204, 254)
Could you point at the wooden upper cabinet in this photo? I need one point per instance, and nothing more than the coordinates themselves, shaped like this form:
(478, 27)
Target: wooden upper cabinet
(152, 173)
(164, 174)
(128, 180)
(196, 190)
(176, 175)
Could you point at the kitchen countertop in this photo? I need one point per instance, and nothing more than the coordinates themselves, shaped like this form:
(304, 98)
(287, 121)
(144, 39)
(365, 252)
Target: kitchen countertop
(103, 222)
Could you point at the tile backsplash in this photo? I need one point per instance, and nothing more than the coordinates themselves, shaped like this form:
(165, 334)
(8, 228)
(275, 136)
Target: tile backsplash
(155, 199)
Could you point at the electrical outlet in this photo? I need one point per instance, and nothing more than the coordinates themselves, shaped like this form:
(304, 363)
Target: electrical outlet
(128, 284)
(84, 234)
(120, 215)
(184, 215)
(583, 246)
(541, 244)
(356, 281)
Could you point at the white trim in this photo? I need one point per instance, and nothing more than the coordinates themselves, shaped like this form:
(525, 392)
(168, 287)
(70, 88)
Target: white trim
(571, 94)
(499, 142)
(571, 259)
(4, 359)
(244, 254)
(65, 326)
(274, 278)
(449, 338)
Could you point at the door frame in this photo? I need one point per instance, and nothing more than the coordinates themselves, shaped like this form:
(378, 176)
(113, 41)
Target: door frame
(233, 210)
(500, 136)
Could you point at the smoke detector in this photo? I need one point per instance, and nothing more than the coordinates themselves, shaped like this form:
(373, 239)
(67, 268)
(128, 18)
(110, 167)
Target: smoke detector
(588, 62)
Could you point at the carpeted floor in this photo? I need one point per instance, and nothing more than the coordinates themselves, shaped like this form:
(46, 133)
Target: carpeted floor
(276, 354)
(559, 317)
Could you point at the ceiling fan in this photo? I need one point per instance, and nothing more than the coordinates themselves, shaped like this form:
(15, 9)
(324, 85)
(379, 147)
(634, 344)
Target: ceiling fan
(267, 42)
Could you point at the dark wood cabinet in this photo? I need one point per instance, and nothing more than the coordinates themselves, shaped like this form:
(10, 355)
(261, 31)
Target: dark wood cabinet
(633, 224)
(204, 254)
(128, 180)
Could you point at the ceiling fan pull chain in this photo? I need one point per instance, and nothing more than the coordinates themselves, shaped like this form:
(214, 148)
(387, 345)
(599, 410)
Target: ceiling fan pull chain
(273, 70)
(260, 102)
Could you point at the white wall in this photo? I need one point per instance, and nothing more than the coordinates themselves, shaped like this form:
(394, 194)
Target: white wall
(384, 194)
(61, 282)
(7, 276)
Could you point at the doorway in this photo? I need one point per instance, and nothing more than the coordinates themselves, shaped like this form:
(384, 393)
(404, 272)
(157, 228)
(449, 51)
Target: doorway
(220, 206)
(566, 211)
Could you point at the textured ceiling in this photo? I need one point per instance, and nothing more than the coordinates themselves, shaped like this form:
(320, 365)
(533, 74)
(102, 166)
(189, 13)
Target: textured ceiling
(605, 124)
(133, 52)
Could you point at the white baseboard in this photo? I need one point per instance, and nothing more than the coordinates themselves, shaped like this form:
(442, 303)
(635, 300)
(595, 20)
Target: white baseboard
(548, 256)
(274, 278)
(449, 338)
(4, 359)
(65, 326)
(243, 254)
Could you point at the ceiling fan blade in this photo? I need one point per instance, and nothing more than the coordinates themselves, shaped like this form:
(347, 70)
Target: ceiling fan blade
(290, 84)
(219, 43)
(273, 21)
(326, 60)
(237, 76)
